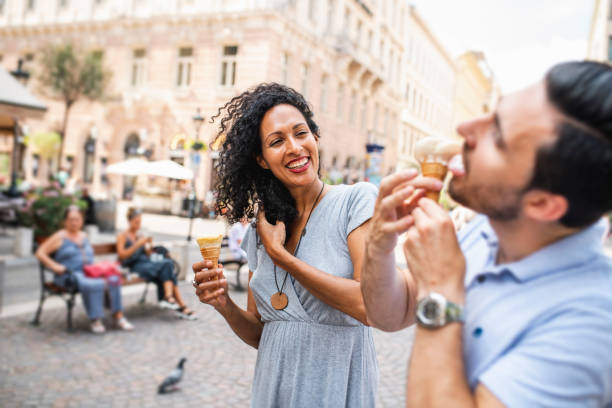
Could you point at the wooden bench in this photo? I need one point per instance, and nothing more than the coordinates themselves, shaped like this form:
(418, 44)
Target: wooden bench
(49, 288)
(227, 258)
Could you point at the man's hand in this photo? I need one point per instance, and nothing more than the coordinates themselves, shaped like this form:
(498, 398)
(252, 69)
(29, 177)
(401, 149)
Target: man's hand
(433, 254)
(396, 199)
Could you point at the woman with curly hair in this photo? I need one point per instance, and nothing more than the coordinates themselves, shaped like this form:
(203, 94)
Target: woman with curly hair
(305, 312)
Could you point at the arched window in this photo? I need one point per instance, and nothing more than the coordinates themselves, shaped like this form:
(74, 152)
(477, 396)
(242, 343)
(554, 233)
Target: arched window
(132, 145)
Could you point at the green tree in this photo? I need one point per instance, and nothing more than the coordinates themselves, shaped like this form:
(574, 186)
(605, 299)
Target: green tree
(71, 74)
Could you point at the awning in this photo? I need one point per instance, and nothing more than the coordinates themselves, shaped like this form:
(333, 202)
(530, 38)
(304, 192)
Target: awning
(16, 101)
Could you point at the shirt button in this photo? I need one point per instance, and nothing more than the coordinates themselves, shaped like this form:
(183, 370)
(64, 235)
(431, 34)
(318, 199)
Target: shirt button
(481, 278)
(477, 332)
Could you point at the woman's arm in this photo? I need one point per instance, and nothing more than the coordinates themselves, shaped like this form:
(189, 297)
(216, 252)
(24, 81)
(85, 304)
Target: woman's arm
(44, 251)
(245, 323)
(122, 252)
(340, 293)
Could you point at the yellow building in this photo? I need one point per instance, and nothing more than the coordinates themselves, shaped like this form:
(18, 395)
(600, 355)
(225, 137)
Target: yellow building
(476, 91)
(600, 37)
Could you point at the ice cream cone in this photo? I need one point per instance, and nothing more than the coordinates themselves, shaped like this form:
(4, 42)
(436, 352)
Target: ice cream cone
(210, 248)
(433, 153)
(435, 170)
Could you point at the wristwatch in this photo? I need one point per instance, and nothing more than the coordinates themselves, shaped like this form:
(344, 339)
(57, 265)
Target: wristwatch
(435, 311)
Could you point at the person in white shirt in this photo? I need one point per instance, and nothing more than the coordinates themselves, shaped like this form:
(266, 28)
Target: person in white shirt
(236, 234)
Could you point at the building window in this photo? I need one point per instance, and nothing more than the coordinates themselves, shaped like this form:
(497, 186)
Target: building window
(138, 67)
(340, 101)
(2, 5)
(370, 39)
(228, 65)
(353, 107)
(285, 68)
(358, 33)
(347, 22)
(304, 88)
(31, 5)
(610, 50)
(364, 112)
(330, 15)
(35, 164)
(63, 3)
(375, 118)
(324, 85)
(183, 71)
(311, 9)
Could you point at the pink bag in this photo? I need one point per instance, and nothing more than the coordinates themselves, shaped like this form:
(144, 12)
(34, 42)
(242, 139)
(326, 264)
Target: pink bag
(104, 269)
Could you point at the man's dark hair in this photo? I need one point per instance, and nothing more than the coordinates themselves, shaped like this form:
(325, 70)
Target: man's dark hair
(578, 165)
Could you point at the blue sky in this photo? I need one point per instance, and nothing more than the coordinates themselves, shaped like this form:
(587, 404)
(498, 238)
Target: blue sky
(520, 38)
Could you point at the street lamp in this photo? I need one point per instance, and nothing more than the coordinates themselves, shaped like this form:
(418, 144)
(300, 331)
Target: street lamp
(198, 121)
(22, 76)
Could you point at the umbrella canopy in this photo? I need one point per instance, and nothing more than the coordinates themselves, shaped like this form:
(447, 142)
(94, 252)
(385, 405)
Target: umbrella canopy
(170, 169)
(130, 167)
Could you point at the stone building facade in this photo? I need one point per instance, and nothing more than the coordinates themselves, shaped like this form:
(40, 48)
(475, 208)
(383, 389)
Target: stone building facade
(372, 70)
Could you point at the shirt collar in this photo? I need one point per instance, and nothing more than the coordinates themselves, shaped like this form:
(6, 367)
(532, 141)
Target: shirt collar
(571, 251)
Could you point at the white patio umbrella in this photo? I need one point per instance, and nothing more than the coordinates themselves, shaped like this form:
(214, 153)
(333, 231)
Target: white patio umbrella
(170, 169)
(130, 167)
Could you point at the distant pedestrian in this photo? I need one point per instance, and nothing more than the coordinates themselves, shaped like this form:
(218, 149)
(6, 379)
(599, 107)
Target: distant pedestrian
(305, 314)
(235, 236)
(90, 211)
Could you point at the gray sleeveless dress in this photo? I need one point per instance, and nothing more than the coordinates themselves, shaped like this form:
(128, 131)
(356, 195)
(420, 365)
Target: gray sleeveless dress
(310, 354)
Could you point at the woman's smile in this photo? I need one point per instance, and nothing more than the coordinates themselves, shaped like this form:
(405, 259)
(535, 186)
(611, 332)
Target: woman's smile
(299, 165)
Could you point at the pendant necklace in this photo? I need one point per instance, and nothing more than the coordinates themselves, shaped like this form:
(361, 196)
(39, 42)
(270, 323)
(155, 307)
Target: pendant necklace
(279, 300)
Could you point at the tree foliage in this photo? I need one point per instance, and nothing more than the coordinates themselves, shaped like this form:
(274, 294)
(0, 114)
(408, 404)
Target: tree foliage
(71, 73)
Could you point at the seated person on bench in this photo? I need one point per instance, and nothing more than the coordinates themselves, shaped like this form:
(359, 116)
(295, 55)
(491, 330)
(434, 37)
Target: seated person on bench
(134, 252)
(69, 249)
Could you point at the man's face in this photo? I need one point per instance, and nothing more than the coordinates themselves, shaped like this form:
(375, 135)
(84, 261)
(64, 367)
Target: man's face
(500, 150)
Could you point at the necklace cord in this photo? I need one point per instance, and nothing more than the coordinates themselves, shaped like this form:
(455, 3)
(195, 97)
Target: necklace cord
(299, 242)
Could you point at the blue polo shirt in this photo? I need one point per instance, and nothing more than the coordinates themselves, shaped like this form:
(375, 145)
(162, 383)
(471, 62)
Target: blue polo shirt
(538, 332)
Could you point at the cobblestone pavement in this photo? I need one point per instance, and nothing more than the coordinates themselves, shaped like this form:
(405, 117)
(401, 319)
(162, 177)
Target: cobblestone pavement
(47, 367)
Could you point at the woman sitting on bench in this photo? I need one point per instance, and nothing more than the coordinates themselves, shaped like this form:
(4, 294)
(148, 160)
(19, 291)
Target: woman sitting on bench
(134, 252)
(68, 250)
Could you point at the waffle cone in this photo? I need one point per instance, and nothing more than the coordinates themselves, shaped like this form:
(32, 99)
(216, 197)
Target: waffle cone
(211, 253)
(434, 170)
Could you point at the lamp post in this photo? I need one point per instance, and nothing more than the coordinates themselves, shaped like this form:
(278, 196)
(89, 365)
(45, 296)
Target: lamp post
(198, 121)
(22, 76)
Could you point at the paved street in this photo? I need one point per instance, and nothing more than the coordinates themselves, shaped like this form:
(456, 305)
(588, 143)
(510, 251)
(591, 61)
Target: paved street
(47, 367)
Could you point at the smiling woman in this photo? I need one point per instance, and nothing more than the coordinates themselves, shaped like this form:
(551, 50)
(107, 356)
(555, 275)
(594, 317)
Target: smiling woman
(305, 311)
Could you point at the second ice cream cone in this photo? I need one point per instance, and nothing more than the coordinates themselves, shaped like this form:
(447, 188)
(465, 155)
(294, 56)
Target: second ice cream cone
(435, 170)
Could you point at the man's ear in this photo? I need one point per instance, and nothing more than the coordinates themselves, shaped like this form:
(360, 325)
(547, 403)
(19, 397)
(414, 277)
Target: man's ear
(544, 206)
(262, 163)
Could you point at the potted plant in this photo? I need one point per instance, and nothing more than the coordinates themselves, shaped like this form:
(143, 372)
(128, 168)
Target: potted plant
(44, 210)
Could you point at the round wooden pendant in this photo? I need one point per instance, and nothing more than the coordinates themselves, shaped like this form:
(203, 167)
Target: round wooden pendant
(279, 301)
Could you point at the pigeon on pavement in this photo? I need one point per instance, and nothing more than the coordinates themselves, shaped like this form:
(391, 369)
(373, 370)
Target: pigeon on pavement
(169, 384)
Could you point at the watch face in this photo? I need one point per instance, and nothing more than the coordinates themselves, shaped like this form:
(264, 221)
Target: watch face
(431, 311)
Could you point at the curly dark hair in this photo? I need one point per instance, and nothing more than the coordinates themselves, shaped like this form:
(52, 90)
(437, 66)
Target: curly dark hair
(242, 184)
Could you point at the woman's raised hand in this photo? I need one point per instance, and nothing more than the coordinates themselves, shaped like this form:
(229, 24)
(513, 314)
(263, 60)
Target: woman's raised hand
(210, 285)
(272, 236)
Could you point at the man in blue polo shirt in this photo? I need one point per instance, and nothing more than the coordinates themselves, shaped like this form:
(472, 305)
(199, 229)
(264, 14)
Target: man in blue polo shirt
(517, 309)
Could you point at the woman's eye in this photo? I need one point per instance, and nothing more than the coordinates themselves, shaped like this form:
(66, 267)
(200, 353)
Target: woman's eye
(302, 133)
(275, 142)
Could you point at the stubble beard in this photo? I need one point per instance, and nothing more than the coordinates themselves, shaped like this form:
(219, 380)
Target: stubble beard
(499, 203)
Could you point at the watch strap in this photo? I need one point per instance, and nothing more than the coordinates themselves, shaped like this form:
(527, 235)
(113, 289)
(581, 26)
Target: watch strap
(454, 312)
